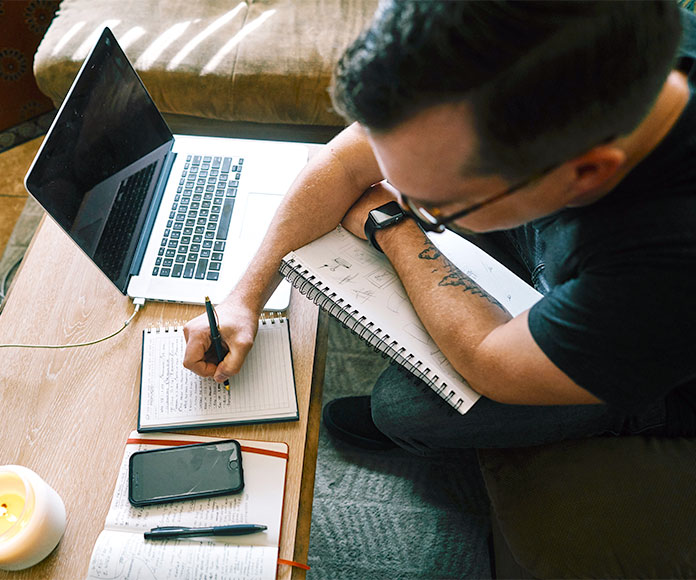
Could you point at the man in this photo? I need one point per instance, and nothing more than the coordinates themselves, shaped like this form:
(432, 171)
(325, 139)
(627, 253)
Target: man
(561, 133)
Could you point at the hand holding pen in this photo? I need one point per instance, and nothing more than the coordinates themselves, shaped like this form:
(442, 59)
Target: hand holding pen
(215, 335)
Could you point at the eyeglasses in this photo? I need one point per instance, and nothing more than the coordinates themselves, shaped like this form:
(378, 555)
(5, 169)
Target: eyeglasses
(432, 220)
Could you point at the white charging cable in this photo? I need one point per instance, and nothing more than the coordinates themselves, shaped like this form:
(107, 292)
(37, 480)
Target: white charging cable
(138, 302)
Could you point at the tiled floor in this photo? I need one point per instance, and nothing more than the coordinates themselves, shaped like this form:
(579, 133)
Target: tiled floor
(13, 166)
(18, 145)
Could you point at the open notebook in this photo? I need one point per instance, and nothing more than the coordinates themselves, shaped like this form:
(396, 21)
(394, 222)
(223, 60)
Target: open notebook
(121, 552)
(173, 397)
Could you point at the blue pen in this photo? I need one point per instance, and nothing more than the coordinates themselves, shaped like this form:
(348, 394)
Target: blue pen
(215, 335)
(184, 532)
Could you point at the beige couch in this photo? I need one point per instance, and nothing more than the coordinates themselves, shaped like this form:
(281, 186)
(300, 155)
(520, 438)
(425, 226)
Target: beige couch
(215, 66)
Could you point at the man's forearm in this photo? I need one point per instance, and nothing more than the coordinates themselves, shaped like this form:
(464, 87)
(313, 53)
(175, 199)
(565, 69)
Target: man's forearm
(456, 311)
(494, 352)
(315, 204)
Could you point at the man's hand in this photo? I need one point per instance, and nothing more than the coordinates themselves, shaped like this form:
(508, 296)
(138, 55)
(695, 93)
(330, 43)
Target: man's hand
(238, 326)
(373, 197)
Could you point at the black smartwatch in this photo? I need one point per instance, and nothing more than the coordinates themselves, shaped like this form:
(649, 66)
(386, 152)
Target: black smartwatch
(381, 218)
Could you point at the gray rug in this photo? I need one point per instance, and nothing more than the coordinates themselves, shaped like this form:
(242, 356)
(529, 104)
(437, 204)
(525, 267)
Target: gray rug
(387, 515)
(376, 515)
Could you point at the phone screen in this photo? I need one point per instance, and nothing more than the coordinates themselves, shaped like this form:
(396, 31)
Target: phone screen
(186, 472)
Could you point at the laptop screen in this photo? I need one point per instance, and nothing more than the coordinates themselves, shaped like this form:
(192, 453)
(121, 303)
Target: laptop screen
(96, 169)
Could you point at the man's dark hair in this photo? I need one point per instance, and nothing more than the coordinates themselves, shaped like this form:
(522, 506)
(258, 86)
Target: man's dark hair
(545, 80)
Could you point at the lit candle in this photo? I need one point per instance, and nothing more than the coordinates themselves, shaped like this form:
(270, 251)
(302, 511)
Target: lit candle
(32, 518)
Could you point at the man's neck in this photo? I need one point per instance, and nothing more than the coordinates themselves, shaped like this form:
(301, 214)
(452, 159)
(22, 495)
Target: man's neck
(667, 109)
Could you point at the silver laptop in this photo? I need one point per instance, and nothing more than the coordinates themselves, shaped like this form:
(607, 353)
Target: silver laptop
(165, 217)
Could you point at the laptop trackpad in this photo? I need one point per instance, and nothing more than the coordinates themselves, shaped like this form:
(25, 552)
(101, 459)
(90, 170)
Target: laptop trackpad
(260, 208)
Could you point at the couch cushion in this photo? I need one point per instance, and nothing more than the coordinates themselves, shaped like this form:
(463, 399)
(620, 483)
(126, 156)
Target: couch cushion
(598, 508)
(266, 61)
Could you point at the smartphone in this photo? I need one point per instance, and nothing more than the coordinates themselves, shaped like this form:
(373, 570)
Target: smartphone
(186, 472)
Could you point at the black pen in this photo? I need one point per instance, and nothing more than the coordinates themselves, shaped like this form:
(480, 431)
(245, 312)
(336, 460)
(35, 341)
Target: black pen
(183, 532)
(215, 335)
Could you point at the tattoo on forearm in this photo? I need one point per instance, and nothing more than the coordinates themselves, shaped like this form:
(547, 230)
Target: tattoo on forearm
(431, 252)
(454, 276)
(457, 278)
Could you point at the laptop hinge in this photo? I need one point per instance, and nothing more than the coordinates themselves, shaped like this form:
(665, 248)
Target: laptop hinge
(157, 196)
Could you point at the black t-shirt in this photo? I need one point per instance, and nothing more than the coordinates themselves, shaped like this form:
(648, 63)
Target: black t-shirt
(619, 316)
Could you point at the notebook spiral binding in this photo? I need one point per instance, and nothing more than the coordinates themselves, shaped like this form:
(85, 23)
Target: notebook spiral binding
(272, 317)
(178, 325)
(174, 326)
(311, 287)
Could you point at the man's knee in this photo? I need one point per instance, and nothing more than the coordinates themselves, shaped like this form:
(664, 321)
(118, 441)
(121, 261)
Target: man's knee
(406, 411)
(388, 411)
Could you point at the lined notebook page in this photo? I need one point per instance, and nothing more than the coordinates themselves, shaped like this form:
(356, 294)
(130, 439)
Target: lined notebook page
(171, 395)
(261, 501)
(122, 553)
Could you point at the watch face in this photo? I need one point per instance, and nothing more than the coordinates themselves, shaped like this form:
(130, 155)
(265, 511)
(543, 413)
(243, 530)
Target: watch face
(386, 212)
(380, 215)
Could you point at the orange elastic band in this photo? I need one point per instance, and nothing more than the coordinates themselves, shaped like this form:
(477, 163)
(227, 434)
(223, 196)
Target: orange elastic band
(169, 442)
(173, 443)
(295, 564)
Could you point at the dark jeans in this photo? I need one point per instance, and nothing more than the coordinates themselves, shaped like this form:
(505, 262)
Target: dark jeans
(407, 411)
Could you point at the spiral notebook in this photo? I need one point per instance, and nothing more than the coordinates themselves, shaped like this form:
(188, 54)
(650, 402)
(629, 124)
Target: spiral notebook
(173, 397)
(357, 284)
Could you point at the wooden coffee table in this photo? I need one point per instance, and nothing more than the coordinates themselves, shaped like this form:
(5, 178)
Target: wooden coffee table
(67, 413)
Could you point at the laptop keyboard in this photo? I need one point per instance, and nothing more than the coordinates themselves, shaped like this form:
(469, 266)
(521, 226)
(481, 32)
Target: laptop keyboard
(199, 219)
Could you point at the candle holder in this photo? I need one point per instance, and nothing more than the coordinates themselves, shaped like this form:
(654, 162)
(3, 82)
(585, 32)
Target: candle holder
(32, 518)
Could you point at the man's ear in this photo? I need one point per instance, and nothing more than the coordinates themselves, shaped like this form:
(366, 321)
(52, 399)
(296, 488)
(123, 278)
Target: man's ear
(594, 172)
